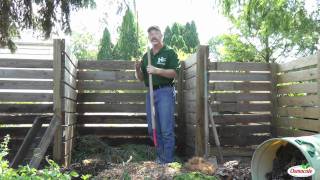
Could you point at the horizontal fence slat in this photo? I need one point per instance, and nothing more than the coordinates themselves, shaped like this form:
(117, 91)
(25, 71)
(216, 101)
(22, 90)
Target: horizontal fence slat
(231, 97)
(310, 87)
(242, 130)
(285, 132)
(21, 119)
(306, 124)
(241, 118)
(113, 131)
(106, 65)
(106, 75)
(70, 93)
(229, 76)
(138, 108)
(111, 97)
(111, 119)
(233, 86)
(303, 112)
(311, 100)
(239, 66)
(21, 63)
(70, 106)
(191, 72)
(30, 85)
(26, 108)
(25, 97)
(299, 63)
(109, 85)
(248, 140)
(30, 74)
(303, 75)
(239, 107)
(190, 61)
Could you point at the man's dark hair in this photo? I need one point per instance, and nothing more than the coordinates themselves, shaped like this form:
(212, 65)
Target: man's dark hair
(153, 28)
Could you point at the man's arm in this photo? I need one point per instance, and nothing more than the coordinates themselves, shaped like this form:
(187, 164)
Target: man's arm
(138, 73)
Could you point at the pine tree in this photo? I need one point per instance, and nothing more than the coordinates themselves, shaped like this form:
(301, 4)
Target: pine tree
(105, 50)
(128, 47)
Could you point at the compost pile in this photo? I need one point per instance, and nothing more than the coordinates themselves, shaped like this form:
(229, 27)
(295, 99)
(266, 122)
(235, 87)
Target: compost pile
(234, 170)
(286, 156)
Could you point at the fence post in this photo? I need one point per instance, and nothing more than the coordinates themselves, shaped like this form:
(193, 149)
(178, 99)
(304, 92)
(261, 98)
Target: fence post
(58, 91)
(274, 102)
(318, 84)
(200, 143)
(181, 118)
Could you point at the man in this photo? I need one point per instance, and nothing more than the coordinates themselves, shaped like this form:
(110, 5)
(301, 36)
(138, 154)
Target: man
(164, 68)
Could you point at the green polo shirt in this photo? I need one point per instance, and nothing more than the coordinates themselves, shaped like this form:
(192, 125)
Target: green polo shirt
(166, 58)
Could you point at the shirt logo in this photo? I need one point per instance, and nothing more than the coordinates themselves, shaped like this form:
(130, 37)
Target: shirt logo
(162, 60)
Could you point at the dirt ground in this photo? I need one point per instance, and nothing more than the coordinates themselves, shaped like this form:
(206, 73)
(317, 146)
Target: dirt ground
(130, 161)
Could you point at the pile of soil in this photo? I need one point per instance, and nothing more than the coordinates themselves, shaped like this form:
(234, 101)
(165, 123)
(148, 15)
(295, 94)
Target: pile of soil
(286, 156)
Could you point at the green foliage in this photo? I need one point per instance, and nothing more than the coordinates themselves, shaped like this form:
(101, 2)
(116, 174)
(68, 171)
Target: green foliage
(27, 173)
(276, 28)
(83, 46)
(182, 37)
(105, 50)
(17, 15)
(128, 46)
(194, 176)
(230, 48)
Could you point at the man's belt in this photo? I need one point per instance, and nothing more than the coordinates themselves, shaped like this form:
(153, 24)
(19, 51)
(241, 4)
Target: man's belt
(161, 86)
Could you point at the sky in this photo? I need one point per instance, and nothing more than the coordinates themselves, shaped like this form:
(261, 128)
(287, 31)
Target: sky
(154, 12)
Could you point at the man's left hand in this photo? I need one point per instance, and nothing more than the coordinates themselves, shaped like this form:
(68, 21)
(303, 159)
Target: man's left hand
(152, 70)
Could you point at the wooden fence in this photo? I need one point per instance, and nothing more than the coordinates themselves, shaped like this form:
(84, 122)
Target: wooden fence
(298, 90)
(26, 89)
(251, 102)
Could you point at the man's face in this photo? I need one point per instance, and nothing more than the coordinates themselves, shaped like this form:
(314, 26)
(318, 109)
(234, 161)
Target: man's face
(155, 37)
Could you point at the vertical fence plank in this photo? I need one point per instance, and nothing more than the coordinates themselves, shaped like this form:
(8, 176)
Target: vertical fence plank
(206, 91)
(200, 124)
(58, 92)
(274, 91)
(318, 82)
(181, 119)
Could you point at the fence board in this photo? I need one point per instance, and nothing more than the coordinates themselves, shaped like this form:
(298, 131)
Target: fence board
(138, 108)
(242, 130)
(245, 140)
(190, 61)
(105, 75)
(111, 97)
(299, 63)
(26, 108)
(303, 75)
(233, 86)
(307, 124)
(241, 118)
(70, 93)
(106, 65)
(111, 119)
(30, 74)
(298, 100)
(21, 119)
(240, 66)
(310, 87)
(19, 63)
(241, 96)
(30, 85)
(110, 85)
(238, 107)
(304, 112)
(228, 76)
(26, 97)
(113, 131)
(285, 132)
